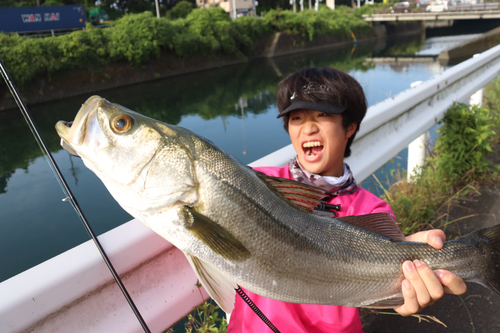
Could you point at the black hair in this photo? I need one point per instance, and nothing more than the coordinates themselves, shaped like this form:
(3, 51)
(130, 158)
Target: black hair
(325, 84)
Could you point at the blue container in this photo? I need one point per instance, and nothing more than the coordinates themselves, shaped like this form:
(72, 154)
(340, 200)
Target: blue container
(31, 19)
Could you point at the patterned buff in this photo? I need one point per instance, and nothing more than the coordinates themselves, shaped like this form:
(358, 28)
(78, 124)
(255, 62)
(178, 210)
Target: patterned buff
(303, 176)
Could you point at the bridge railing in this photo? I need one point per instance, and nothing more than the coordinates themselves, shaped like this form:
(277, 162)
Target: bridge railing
(432, 16)
(470, 7)
(74, 292)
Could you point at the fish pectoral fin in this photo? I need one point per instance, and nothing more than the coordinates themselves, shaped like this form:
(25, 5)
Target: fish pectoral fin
(382, 223)
(301, 195)
(214, 236)
(218, 286)
(387, 303)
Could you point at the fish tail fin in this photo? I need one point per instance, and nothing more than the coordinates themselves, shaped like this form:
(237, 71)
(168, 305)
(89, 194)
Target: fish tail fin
(492, 237)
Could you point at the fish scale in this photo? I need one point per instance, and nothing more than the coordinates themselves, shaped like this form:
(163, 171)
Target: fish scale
(237, 228)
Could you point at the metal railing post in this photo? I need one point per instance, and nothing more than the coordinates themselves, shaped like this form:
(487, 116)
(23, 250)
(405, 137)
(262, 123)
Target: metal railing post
(417, 150)
(477, 97)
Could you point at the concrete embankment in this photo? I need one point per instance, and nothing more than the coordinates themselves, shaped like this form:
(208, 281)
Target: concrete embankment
(92, 80)
(467, 49)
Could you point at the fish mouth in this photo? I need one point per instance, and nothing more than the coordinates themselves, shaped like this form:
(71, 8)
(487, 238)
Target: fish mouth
(72, 133)
(66, 146)
(312, 149)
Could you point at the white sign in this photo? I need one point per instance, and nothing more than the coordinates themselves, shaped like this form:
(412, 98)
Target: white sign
(30, 18)
(51, 16)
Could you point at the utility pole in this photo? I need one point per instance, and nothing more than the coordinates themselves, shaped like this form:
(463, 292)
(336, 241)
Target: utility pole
(157, 9)
(234, 9)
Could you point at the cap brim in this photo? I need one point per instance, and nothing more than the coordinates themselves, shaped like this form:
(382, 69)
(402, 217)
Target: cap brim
(315, 106)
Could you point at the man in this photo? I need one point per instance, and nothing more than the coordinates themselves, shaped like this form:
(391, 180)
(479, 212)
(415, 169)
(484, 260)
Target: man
(321, 109)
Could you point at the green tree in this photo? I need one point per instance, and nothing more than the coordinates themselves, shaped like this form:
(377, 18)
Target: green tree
(180, 10)
(7, 3)
(129, 6)
(53, 3)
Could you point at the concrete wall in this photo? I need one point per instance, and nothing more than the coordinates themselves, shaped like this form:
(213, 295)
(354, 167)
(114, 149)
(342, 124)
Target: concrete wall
(467, 49)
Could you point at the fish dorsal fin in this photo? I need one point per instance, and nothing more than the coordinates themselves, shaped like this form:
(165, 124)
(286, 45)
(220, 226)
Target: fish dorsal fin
(302, 195)
(218, 286)
(214, 236)
(383, 223)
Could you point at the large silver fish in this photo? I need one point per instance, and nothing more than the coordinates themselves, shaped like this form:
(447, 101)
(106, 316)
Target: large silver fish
(239, 227)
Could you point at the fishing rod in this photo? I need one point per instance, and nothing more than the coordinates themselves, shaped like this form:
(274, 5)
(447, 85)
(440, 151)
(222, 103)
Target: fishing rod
(65, 188)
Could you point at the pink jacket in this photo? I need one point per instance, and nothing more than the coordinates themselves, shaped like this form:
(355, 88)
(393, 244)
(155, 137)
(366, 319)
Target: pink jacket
(307, 318)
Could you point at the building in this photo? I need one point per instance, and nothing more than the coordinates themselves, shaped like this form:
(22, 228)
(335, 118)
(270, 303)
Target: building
(242, 7)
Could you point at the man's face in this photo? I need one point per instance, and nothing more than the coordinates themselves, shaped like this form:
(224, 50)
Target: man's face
(319, 140)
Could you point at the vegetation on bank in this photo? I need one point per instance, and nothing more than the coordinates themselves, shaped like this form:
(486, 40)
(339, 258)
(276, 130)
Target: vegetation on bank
(118, 8)
(455, 166)
(138, 38)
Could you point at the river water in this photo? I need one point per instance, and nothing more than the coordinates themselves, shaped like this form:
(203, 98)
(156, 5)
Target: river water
(234, 107)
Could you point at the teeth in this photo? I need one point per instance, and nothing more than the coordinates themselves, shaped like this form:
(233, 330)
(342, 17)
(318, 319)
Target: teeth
(311, 144)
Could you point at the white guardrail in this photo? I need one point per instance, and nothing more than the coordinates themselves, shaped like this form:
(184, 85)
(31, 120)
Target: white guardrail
(74, 291)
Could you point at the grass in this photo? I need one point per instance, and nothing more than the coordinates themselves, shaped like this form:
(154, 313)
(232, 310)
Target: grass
(205, 318)
(420, 317)
(455, 168)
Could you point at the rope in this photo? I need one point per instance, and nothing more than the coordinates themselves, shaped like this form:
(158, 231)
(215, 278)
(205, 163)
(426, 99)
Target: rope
(256, 309)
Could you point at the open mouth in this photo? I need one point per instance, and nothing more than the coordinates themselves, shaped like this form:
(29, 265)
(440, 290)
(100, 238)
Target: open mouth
(312, 148)
(64, 144)
(72, 133)
(68, 148)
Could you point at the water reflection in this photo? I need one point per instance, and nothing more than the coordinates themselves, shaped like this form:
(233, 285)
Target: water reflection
(235, 107)
(436, 44)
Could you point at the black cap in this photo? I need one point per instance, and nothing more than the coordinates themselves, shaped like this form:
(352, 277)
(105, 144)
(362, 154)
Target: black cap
(321, 106)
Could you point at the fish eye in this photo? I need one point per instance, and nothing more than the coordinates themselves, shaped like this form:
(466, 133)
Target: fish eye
(122, 124)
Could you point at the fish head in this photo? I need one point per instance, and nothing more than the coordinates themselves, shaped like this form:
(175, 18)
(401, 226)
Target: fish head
(145, 164)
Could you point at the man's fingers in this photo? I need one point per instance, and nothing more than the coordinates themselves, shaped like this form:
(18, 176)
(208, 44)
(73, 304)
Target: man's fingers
(431, 284)
(412, 274)
(410, 305)
(434, 238)
(451, 282)
(420, 288)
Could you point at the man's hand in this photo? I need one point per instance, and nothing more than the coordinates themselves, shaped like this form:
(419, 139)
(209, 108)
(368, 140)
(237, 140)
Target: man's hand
(423, 286)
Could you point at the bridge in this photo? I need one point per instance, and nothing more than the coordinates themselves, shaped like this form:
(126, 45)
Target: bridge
(401, 60)
(451, 14)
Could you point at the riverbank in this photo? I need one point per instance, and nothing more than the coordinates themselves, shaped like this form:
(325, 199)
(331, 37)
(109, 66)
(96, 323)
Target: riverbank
(467, 49)
(465, 195)
(478, 310)
(85, 81)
